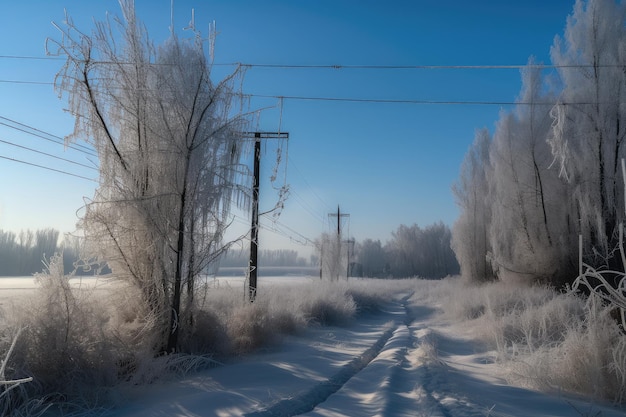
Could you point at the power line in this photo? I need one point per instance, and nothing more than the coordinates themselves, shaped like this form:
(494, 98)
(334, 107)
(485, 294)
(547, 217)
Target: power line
(294, 166)
(276, 230)
(38, 58)
(282, 225)
(26, 82)
(422, 67)
(425, 102)
(306, 207)
(394, 101)
(47, 154)
(45, 135)
(47, 168)
(348, 66)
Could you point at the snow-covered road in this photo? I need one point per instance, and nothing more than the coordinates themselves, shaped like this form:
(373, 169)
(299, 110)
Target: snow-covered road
(405, 360)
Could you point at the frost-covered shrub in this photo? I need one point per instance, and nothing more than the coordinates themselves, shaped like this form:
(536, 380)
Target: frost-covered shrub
(370, 295)
(589, 359)
(532, 325)
(206, 335)
(328, 304)
(78, 343)
(65, 346)
(249, 327)
(546, 340)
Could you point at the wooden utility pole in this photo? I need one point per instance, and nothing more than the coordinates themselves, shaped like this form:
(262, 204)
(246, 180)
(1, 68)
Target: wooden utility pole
(254, 230)
(339, 215)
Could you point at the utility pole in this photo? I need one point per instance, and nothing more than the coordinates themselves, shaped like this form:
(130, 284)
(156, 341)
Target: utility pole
(254, 230)
(339, 216)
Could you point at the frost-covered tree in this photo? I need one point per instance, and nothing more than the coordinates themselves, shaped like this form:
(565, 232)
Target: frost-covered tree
(553, 168)
(589, 120)
(424, 252)
(333, 254)
(530, 232)
(25, 253)
(169, 145)
(371, 257)
(470, 233)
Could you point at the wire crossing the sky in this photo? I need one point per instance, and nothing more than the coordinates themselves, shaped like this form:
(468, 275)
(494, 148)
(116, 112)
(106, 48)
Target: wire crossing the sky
(47, 168)
(33, 131)
(350, 66)
(46, 154)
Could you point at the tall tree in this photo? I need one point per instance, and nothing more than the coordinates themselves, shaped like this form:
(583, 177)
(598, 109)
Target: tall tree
(470, 233)
(371, 257)
(589, 120)
(530, 231)
(424, 252)
(169, 145)
(333, 255)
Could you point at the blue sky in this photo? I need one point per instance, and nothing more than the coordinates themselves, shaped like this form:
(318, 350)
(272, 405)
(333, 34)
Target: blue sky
(385, 164)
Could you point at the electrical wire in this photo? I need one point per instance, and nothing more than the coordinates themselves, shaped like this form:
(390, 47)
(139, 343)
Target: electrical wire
(33, 131)
(349, 66)
(26, 82)
(38, 58)
(306, 207)
(46, 168)
(423, 67)
(306, 239)
(419, 101)
(389, 101)
(46, 154)
(295, 167)
(301, 239)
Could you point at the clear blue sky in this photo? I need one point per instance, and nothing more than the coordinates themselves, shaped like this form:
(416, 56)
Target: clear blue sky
(385, 164)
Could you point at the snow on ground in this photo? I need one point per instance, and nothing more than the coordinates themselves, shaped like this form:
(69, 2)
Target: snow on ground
(405, 360)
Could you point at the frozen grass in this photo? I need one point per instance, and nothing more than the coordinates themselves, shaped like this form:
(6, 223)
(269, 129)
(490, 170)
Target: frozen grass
(545, 339)
(77, 344)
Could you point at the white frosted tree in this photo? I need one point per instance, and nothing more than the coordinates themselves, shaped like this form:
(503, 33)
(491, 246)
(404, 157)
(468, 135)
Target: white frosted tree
(589, 121)
(470, 233)
(333, 256)
(371, 257)
(424, 252)
(530, 230)
(169, 144)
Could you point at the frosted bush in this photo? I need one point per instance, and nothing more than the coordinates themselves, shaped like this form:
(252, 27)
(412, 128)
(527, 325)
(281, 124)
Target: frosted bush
(589, 359)
(545, 339)
(370, 295)
(207, 334)
(76, 345)
(249, 327)
(328, 304)
(64, 346)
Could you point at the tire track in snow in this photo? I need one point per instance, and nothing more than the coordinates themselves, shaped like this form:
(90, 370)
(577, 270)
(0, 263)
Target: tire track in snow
(309, 399)
(435, 395)
(413, 384)
(406, 390)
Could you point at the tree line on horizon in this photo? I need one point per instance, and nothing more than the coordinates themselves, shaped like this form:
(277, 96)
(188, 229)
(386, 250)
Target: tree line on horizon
(234, 258)
(24, 253)
(551, 169)
(412, 251)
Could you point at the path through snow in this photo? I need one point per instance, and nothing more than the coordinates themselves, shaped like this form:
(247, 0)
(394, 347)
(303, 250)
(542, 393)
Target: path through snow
(402, 361)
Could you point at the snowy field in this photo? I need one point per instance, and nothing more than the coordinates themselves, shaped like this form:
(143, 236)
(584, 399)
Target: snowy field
(402, 361)
(407, 359)
(15, 288)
